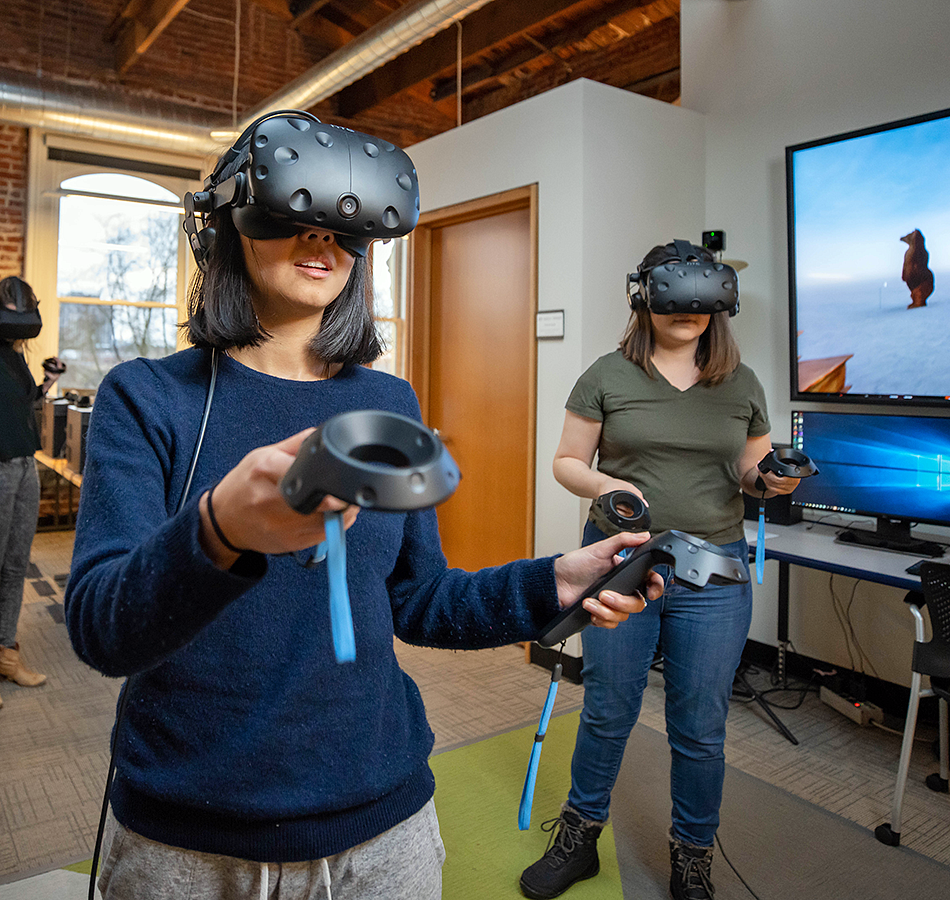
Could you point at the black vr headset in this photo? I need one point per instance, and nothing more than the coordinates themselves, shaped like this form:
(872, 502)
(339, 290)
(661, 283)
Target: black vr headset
(689, 281)
(290, 170)
(23, 322)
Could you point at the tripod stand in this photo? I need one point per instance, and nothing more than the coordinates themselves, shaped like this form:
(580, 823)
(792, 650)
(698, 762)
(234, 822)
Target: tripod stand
(755, 695)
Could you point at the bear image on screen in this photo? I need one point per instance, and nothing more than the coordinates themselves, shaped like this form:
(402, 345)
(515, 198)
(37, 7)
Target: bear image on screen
(869, 263)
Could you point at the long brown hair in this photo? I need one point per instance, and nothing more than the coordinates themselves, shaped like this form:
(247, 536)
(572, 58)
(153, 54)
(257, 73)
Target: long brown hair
(717, 354)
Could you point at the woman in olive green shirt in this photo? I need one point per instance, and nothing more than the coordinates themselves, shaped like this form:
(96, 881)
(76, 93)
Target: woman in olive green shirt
(676, 418)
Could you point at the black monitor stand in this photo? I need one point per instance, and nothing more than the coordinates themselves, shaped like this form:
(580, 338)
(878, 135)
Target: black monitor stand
(893, 535)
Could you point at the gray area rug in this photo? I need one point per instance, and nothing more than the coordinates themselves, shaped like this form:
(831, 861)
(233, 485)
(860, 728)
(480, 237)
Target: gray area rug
(782, 846)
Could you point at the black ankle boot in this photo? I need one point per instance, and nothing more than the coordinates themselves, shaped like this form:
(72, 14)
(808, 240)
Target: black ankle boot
(571, 856)
(691, 876)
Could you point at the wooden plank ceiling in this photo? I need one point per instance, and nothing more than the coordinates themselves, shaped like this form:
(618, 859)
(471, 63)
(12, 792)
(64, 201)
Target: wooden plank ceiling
(510, 50)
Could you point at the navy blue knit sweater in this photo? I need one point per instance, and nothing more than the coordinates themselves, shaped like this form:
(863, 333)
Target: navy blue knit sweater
(243, 735)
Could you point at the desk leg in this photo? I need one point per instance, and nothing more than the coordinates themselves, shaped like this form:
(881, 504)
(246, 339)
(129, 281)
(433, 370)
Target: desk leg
(782, 621)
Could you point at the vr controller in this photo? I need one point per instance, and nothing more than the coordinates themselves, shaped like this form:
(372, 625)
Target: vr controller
(623, 510)
(695, 564)
(788, 462)
(52, 365)
(374, 459)
(294, 170)
(689, 283)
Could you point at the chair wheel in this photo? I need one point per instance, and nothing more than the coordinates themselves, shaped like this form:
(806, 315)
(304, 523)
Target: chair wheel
(886, 836)
(936, 783)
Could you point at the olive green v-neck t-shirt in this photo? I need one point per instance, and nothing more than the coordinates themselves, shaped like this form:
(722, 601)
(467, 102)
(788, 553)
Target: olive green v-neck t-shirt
(680, 448)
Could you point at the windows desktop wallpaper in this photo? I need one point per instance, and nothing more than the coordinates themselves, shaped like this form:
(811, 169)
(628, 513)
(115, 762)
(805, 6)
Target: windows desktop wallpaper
(896, 466)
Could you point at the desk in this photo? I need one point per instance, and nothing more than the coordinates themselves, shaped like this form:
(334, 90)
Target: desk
(813, 546)
(73, 480)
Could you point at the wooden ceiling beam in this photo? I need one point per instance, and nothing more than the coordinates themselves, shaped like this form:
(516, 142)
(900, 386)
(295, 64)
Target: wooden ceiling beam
(137, 27)
(302, 9)
(637, 59)
(496, 22)
(445, 87)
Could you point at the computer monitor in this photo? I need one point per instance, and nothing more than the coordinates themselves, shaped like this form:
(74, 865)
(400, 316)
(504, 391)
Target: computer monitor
(869, 264)
(893, 468)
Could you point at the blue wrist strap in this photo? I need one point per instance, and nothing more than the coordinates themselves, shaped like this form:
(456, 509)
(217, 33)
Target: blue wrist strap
(527, 794)
(341, 617)
(760, 545)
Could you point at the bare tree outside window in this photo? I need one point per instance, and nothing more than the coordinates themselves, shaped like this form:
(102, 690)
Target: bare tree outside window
(117, 277)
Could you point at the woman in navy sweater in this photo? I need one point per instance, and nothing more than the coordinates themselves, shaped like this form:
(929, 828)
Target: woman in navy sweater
(247, 757)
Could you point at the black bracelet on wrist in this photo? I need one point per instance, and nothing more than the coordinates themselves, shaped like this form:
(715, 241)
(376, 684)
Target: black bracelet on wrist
(217, 527)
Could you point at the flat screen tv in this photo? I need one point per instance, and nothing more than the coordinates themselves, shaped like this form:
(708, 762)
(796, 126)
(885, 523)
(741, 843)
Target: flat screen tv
(895, 469)
(869, 264)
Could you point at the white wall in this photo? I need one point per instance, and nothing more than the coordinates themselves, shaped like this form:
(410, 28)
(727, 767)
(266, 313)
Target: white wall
(616, 174)
(766, 74)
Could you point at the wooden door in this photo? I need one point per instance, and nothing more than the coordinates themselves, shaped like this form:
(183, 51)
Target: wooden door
(473, 362)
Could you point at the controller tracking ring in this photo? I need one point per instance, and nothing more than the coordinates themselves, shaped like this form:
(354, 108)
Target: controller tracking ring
(374, 459)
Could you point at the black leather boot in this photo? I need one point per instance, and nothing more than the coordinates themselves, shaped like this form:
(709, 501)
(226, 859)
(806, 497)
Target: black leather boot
(571, 856)
(691, 876)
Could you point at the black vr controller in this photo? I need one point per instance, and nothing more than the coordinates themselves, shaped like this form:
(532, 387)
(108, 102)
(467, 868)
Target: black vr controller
(293, 171)
(53, 365)
(623, 510)
(695, 564)
(787, 462)
(377, 460)
(689, 283)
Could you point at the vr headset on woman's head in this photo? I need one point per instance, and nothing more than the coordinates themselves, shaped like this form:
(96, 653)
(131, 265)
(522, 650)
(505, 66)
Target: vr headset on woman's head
(20, 320)
(290, 170)
(689, 281)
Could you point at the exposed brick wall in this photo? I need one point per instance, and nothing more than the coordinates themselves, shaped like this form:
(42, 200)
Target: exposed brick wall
(191, 62)
(13, 179)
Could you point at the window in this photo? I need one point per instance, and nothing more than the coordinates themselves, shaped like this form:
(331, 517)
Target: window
(107, 257)
(389, 303)
(117, 273)
(111, 226)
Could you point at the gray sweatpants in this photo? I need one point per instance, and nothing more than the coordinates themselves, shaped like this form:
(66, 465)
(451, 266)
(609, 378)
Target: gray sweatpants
(19, 507)
(404, 863)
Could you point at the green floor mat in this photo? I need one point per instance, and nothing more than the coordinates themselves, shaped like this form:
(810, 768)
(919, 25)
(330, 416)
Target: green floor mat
(478, 789)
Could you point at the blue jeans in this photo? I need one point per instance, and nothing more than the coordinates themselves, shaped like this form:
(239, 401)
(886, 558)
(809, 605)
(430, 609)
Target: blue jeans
(701, 635)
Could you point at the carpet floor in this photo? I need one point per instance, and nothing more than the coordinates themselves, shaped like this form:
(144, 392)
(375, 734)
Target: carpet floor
(782, 846)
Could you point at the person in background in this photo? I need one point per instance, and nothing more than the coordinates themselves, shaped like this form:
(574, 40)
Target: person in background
(19, 483)
(676, 418)
(247, 755)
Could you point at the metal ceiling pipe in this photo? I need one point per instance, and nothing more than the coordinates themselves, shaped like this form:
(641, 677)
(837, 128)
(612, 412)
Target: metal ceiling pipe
(101, 114)
(108, 115)
(375, 47)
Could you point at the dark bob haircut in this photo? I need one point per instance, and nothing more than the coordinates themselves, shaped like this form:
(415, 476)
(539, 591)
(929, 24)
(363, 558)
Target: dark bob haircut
(221, 314)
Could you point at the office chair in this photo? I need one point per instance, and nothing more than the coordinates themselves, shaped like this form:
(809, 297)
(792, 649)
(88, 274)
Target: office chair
(930, 658)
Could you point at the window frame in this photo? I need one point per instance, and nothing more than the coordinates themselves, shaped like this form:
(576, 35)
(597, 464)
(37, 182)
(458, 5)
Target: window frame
(42, 231)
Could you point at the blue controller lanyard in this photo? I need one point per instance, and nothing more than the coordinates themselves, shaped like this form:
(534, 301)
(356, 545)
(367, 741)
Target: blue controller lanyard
(527, 794)
(333, 550)
(760, 543)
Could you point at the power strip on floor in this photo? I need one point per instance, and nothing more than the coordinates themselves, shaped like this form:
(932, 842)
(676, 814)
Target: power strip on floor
(858, 711)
